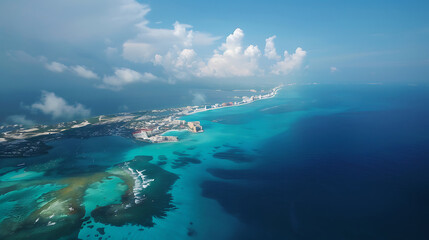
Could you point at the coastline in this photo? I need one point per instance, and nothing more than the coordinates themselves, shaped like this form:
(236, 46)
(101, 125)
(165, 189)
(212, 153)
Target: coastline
(273, 91)
(148, 126)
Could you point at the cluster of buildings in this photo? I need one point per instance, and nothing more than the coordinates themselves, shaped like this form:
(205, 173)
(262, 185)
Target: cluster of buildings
(244, 100)
(150, 135)
(195, 127)
(152, 129)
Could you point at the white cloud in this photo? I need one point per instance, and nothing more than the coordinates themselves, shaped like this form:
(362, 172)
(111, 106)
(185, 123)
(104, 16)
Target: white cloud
(270, 50)
(122, 25)
(290, 62)
(180, 64)
(79, 70)
(56, 67)
(151, 42)
(186, 58)
(20, 119)
(57, 107)
(82, 71)
(333, 69)
(232, 60)
(124, 76)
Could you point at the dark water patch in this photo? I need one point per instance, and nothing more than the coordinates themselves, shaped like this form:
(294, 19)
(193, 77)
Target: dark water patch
(161, 163)
(156, 202)
(180, 153)
(234, 174)
(255, 207)
(191, 232)
(235, 154)
(184, 161)
(101, 231)
(145, 158)
(162, 158)
(230, 119)
(191, 148)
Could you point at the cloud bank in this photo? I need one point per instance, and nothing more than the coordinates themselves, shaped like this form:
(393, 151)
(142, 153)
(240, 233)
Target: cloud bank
(290, 62)
(232, 60)
(56, 67)
(270, 49)
(179, 52)
(82, 71)
(58, 108)
(79, 70)
(125, 76)
(173, 50)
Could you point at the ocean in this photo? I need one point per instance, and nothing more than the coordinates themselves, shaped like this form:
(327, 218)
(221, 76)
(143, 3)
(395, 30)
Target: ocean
(315, 162)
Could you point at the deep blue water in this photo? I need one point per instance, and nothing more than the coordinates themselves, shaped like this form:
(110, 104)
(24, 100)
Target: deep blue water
(358, 174)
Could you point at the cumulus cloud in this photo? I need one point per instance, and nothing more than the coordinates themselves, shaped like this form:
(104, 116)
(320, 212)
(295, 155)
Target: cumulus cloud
(79, 70)
(152, 42)
(230, 59)
(181, 64)
(20, 119)
(290, 62)
(270, 49)
(56, 67)
(82, 71)
(127, 34)
(58, 108)
(125, 76)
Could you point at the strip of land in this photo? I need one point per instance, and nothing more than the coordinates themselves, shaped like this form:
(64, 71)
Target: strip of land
(148, 126)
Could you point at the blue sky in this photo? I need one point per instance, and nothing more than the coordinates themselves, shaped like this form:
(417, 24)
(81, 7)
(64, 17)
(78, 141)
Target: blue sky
(61, 60)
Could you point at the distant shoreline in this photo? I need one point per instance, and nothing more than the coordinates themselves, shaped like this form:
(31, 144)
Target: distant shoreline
(274, 92)
(144, 125)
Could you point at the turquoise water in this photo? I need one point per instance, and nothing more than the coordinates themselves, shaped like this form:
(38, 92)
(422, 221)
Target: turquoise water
(265, 170)
(20, 203)
(107, 191)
